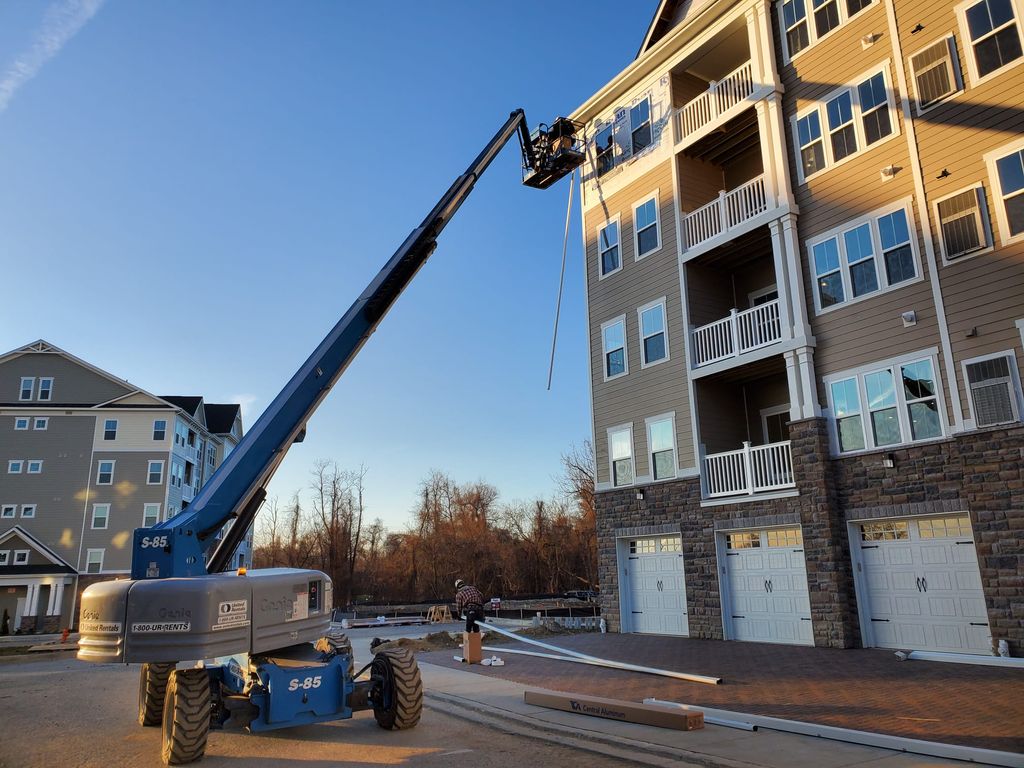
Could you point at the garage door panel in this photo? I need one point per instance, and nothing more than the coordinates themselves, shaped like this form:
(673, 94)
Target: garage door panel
(655, 584)
(872, 556)
(963, 553)
(885, 633)
(904, 581)
(899, 555)
(783, 605)
(948, 637)
(966, 580)
(911, 635)
(935, 555)
(973, 608)
(778, 560)
(907, 606)
(942, 606)
(939, 581)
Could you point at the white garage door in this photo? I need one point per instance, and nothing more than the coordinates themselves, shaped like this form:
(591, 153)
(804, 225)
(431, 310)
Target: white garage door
(921, 585)
(655, 586)
(767, 587)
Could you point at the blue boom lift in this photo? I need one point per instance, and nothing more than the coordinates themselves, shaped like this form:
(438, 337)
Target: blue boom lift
(253, 649)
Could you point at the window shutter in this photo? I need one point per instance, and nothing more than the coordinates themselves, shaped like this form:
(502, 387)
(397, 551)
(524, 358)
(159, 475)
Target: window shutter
(933, 73)
(992, 391)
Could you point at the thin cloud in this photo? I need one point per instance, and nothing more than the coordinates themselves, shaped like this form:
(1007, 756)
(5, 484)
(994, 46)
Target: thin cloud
(62, 21)
(248, 403)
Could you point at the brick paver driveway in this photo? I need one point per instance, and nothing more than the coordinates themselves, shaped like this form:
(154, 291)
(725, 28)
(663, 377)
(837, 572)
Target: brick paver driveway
(864, 689)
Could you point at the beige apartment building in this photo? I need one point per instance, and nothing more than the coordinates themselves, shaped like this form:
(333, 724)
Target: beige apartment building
(85, 459)
(804, 233)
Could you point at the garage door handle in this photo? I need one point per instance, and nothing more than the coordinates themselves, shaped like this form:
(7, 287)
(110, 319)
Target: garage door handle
(924, 581)
(918, 583)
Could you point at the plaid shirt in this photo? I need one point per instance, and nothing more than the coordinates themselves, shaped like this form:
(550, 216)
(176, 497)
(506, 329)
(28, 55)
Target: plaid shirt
(468, 596)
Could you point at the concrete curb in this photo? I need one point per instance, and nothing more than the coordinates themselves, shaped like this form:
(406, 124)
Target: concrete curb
(636, 751)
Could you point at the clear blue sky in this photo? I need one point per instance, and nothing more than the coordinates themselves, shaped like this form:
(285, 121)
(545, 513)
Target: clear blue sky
(191, 193)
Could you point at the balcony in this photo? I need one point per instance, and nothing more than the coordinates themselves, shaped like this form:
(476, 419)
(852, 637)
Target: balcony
(722, 100)
(737, 334)
(748, 471)
(729, 211)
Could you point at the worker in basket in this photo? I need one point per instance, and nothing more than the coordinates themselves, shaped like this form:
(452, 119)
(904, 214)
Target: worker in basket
(469, 602)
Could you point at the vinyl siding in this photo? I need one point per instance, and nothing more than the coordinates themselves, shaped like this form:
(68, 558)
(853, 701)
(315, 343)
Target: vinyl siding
(71, 382)
(642, 392)
(134, 431)
(983, 292)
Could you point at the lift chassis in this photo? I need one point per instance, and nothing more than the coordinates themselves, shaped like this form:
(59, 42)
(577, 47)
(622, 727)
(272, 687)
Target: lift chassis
(254, 649)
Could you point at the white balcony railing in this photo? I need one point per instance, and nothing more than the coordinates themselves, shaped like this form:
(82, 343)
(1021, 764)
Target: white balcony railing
(716, 101)
(728, 211)
(736, 334)
(750, 470)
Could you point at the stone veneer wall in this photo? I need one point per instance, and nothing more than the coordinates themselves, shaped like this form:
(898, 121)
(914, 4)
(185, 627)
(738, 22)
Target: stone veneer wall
(980, 472)
(676, 506)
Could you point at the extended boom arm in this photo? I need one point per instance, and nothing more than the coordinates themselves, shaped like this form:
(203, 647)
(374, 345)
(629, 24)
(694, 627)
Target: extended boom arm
(177, 547)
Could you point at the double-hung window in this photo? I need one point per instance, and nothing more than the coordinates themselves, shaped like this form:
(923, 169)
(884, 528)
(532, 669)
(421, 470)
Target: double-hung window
(41, 422)
(1006, 165)
(885, 405)
(110, 429)
(28, 510)
(155, 473)
(640, 125)
(645, 222)
(150, 515)
(963, 223)
(21, 422)
(93, 560)
(935, 73)
(660, 439)
(8, 510)
(863, 257)
(160, 429)
(604, 149)
(100, 516)
(609, 253)
(620, 450)
(798, 34)
(14, 466)
(854, 118)
(104, 473)
(992, 28)
(21, 557)
(28, 384)
(613, 338)
(45, 389)
(653, 338)
(34, 466)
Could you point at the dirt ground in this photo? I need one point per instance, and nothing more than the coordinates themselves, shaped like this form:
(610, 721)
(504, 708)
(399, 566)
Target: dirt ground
(58, 711)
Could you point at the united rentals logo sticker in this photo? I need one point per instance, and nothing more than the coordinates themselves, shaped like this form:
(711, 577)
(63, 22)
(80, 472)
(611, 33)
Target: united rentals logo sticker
(101, 627)
(232, 614)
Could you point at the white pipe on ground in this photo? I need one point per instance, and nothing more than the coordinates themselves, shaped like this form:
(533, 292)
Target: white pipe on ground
(967, 658)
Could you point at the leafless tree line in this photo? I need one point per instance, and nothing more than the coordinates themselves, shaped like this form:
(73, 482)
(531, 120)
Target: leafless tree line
(455, 531)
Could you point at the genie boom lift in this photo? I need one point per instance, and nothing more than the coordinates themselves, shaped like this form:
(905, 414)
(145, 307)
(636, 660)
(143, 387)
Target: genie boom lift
(253, 649)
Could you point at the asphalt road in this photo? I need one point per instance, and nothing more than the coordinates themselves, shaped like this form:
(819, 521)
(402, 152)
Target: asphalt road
(63, 713)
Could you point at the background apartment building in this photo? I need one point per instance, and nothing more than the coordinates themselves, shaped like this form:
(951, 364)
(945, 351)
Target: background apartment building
(85, 458)
(804, 233)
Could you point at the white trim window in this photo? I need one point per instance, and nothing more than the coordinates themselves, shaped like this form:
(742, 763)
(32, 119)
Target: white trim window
(963, 223)
(21, 557)
(993, 385)
(653, 333)
(28, 510)
(828, 15)
(94, 560)
(855, 117)
(935, 71)
(21, 423)
(155, 473)
(26, 388)
(110, 429)
(14, 466)
(641, 135)
(884, 405)
(646, 228)
(5, 556)
(992, 31)
(662, 445)
(41, 423)
(8, 511)
(615, 361)
(100, 517)
(604, 149)
(105, 472)
(620, 455)
(609, 250)
(150, 515)
(866, 256)
(1006, 169)
(160, 429)
(45, 389)
(34, 466)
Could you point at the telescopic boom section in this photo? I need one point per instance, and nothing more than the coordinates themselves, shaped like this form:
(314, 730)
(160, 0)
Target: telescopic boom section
(236, 490)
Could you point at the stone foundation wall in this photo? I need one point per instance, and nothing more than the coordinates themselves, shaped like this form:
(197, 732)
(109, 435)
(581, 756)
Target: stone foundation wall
(978, 472)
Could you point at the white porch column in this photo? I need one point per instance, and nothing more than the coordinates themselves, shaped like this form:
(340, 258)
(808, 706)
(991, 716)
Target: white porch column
(803, 394)
(798, 302)
(56, 598)
(32, 599)
(773, 144)
(796, 405)
(754, 43)
(782, 281)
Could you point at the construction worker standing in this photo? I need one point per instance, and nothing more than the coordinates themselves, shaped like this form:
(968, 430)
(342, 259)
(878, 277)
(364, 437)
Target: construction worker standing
(469, 601)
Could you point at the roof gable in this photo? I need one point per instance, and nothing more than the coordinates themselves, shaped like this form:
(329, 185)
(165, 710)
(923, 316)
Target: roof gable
(11, 537)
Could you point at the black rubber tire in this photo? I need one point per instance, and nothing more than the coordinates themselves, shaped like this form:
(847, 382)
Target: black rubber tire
(186, 720)
(152, 686)
(401, 675)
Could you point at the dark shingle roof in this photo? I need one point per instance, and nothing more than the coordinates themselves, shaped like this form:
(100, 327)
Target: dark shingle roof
(187, 403)
(220, 417)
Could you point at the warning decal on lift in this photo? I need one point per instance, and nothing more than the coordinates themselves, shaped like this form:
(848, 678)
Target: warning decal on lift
(100, 627)
(300, 606)
(231, 614)
(162, 626)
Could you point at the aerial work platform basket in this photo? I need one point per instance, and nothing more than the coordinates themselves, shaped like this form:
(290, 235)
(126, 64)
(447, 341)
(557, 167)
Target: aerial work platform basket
(558, 150)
